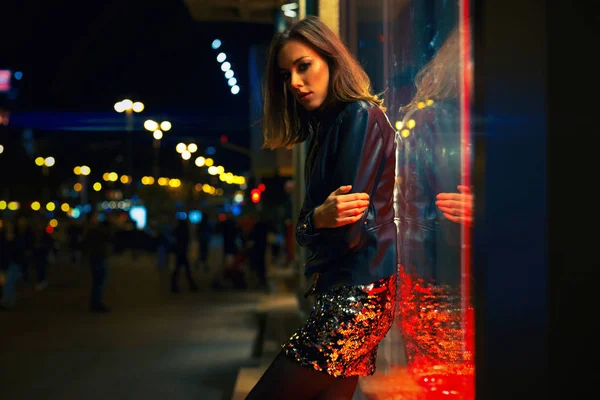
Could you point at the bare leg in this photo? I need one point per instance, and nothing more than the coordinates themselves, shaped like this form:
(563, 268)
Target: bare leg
(285, 379)
(340, 389)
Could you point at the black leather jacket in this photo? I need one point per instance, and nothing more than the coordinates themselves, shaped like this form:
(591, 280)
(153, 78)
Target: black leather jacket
(428, 164)
(352, 144)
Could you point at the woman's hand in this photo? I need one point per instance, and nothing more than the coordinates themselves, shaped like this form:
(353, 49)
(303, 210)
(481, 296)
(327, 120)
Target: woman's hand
(340, 209)
(457, 207)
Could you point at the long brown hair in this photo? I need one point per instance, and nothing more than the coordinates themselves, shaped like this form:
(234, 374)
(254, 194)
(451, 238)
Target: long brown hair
(438, 79)
(285, 122)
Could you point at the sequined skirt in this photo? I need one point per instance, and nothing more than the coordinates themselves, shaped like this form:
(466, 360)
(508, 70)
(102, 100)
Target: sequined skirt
(345, 327)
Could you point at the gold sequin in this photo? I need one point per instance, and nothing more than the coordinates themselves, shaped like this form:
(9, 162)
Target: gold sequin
(344, 329)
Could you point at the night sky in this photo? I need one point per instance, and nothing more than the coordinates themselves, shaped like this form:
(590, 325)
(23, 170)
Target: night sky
(80, 57)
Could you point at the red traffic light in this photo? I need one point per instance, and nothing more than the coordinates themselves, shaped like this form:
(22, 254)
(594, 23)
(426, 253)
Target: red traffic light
(262, 187)
(255, 195)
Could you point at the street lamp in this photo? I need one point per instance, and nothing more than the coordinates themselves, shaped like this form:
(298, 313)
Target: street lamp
(186, 150)
(82, 172)
(46, 163)
(129, 107)
(157, 132)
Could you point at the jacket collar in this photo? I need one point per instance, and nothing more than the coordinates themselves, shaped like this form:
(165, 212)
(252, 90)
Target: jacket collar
(328, 115)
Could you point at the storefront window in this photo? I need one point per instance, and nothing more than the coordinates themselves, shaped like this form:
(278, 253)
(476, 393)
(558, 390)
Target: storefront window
(417, 54)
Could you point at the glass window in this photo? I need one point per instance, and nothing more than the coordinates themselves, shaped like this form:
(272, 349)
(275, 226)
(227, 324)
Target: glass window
(417, 54)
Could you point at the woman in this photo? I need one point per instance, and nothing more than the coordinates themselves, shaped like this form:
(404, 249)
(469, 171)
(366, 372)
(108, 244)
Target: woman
(317, 91)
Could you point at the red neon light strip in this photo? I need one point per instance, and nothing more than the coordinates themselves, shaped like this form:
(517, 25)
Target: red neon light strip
(465, 135)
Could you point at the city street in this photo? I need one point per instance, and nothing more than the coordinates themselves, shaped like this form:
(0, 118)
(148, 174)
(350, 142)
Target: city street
(153, 345)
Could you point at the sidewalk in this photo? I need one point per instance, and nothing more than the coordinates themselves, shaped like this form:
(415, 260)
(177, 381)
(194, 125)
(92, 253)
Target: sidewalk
(153, 345)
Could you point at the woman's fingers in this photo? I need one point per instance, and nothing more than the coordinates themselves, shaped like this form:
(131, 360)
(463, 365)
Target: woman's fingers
(352, 204)
(348, 220)
(454, 196)
(459, 220)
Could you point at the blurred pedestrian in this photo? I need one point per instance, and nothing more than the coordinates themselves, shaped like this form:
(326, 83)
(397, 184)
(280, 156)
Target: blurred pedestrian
(96, 244)
(181, 249)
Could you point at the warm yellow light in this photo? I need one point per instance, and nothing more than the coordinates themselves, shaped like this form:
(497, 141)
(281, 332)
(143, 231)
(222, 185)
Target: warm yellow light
(150, 125)
(200, 161)
(85, 170)
(2, 205)
(222, 177)
(39, 161)
(97, 186)
(165, 125)
(138, 106)
(13, 205)
(198, 187)
(49, 161)
(405, 133)
(212, 170)
(399, 125)
(150, 180)
(163, 181)
(36, 205)
(192, 148)
(50, 206)
(124, 179)
(65, 207)
(420, 105)
(127, 104)
(209, 162)
(186, 155)
(157, 134)
(220, 169)
(77, 187)
(411, 123)
(242, 180)
(53, 223)
(1, 149)
(181, 147)
(206, 188)
(174, 183)
(119, 107)
(77, 170)
(113, 176)
(429, 102)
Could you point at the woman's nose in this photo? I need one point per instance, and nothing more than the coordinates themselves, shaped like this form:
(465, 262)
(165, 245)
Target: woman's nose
(296, 81)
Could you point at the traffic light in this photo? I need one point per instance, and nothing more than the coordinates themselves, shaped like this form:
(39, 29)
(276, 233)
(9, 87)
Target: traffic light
(255, 195)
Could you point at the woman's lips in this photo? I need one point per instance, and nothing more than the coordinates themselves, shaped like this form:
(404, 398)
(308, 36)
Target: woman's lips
(305, 96)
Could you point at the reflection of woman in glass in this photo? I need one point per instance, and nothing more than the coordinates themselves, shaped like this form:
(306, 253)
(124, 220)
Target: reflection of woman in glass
(317, 91)
(430, 214)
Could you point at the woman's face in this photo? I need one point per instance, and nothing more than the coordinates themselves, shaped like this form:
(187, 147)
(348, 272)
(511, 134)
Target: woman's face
(305, 73)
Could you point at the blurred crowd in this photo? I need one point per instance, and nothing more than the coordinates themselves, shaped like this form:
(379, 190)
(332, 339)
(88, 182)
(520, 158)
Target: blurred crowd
(235, 250)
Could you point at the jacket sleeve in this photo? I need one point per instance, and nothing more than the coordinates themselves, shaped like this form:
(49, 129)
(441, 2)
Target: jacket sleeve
(305, 233)
(357, 162)
(356, 155)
